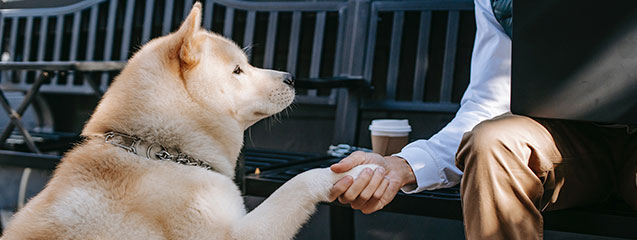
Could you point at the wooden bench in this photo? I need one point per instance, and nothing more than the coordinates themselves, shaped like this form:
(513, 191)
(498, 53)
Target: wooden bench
(375, 59)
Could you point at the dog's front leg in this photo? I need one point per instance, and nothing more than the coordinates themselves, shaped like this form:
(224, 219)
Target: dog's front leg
(281, 215)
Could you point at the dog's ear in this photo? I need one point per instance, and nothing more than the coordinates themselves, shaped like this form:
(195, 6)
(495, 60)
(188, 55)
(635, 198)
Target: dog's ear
(184, 37)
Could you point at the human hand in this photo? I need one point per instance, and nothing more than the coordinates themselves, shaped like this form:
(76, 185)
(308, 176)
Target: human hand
(371, 190)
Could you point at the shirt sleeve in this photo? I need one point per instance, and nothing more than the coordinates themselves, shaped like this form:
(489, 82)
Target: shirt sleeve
(487, 96)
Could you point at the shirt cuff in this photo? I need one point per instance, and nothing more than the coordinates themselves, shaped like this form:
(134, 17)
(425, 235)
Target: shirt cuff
(424, 167)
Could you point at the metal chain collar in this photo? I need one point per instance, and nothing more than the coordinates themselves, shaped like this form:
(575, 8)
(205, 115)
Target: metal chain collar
(132, 144)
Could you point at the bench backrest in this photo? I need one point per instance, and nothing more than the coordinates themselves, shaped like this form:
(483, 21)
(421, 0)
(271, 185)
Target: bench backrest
(415, 54)
(289, 36)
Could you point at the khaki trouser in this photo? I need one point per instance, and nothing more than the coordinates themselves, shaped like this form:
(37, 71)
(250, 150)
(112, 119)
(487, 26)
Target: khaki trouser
(515, 167)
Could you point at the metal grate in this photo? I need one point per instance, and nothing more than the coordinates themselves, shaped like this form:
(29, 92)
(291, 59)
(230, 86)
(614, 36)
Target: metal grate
(267, 160)
(278, 173)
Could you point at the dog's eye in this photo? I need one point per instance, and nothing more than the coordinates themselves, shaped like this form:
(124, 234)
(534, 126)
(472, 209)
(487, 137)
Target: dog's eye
(237, 70)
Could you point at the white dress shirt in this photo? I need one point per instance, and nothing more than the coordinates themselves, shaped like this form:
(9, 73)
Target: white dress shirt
(488, 95)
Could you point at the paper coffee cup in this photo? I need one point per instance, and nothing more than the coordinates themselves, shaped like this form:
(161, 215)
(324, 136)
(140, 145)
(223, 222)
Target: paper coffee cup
(389, 136)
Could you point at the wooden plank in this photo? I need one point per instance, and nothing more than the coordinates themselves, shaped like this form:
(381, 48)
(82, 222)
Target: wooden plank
(338, 53)
(207, 14)
(26, 49)
(422, 57)
(394, 55)
(110, 30)
(44, 25)
(340, 38)
(317, 46)
(187, 7)
(148, 20)
(449, 60)
(393, 105)
(128, 24)
(371, 43)
(293, 48)
(11, 49)
(75, 35)
(108, 45)
(12, 38)
(227, 25)
(92, 31)
(168, 14)
(268, 57)
(248, 35)
(454, 5)
(2, 33)
(57, 44)
(28, 31)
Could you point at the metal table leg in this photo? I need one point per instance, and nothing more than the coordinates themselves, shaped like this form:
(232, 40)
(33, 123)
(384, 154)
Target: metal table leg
(16, 115)
(341, 223)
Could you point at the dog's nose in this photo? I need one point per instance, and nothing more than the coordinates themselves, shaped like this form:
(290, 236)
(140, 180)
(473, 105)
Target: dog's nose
(288, 79)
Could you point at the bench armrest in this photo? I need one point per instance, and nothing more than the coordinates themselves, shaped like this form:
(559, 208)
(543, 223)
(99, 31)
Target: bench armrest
(332, 82)
(82, 66)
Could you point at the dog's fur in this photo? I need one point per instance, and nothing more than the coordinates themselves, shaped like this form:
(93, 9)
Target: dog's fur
(179, 91)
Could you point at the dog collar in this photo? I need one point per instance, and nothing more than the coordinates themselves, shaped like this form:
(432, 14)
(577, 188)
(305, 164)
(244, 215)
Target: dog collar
(152, 151)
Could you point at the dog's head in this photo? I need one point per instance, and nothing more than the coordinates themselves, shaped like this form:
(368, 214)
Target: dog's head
(217, 74)
(191, 89)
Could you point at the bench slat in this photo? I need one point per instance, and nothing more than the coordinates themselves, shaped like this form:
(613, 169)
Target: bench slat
(339, 42)
(44, 25)
(268, 57)
(110, 28)
(128, 24)
(293, 49)
(187, 6)
(248, 34)
(207, 14)
(394, 55)
(227, 25)
(75, 32)
(422, 57)
(26, 50)
(371, 43)
(108, 45)
(338, 52)
(59, 24)
(317, 46)
(450, 56)
(92, 30)
(12, 39)
(11, 48)
(2, 19)
(168, 14)
(148, 20)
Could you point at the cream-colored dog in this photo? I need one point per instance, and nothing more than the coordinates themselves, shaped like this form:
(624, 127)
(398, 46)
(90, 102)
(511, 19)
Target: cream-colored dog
(191, 92)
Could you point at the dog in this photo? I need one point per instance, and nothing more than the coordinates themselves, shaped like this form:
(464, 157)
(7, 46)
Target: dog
(161, 148)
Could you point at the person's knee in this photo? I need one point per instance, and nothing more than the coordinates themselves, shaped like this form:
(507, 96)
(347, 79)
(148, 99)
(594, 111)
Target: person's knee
(485, 137)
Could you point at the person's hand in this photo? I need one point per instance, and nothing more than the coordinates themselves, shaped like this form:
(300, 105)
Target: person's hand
(371, 190)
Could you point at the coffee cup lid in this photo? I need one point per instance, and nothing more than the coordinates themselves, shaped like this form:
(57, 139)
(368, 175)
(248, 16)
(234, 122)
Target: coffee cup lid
(390, 125)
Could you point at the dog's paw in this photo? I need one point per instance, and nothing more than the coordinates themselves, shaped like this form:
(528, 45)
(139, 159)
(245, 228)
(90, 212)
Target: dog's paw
(354, 172)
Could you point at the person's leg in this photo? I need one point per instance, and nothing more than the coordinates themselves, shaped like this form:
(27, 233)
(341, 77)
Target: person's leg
(500, 191)
(627, 179)
(515, 166)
